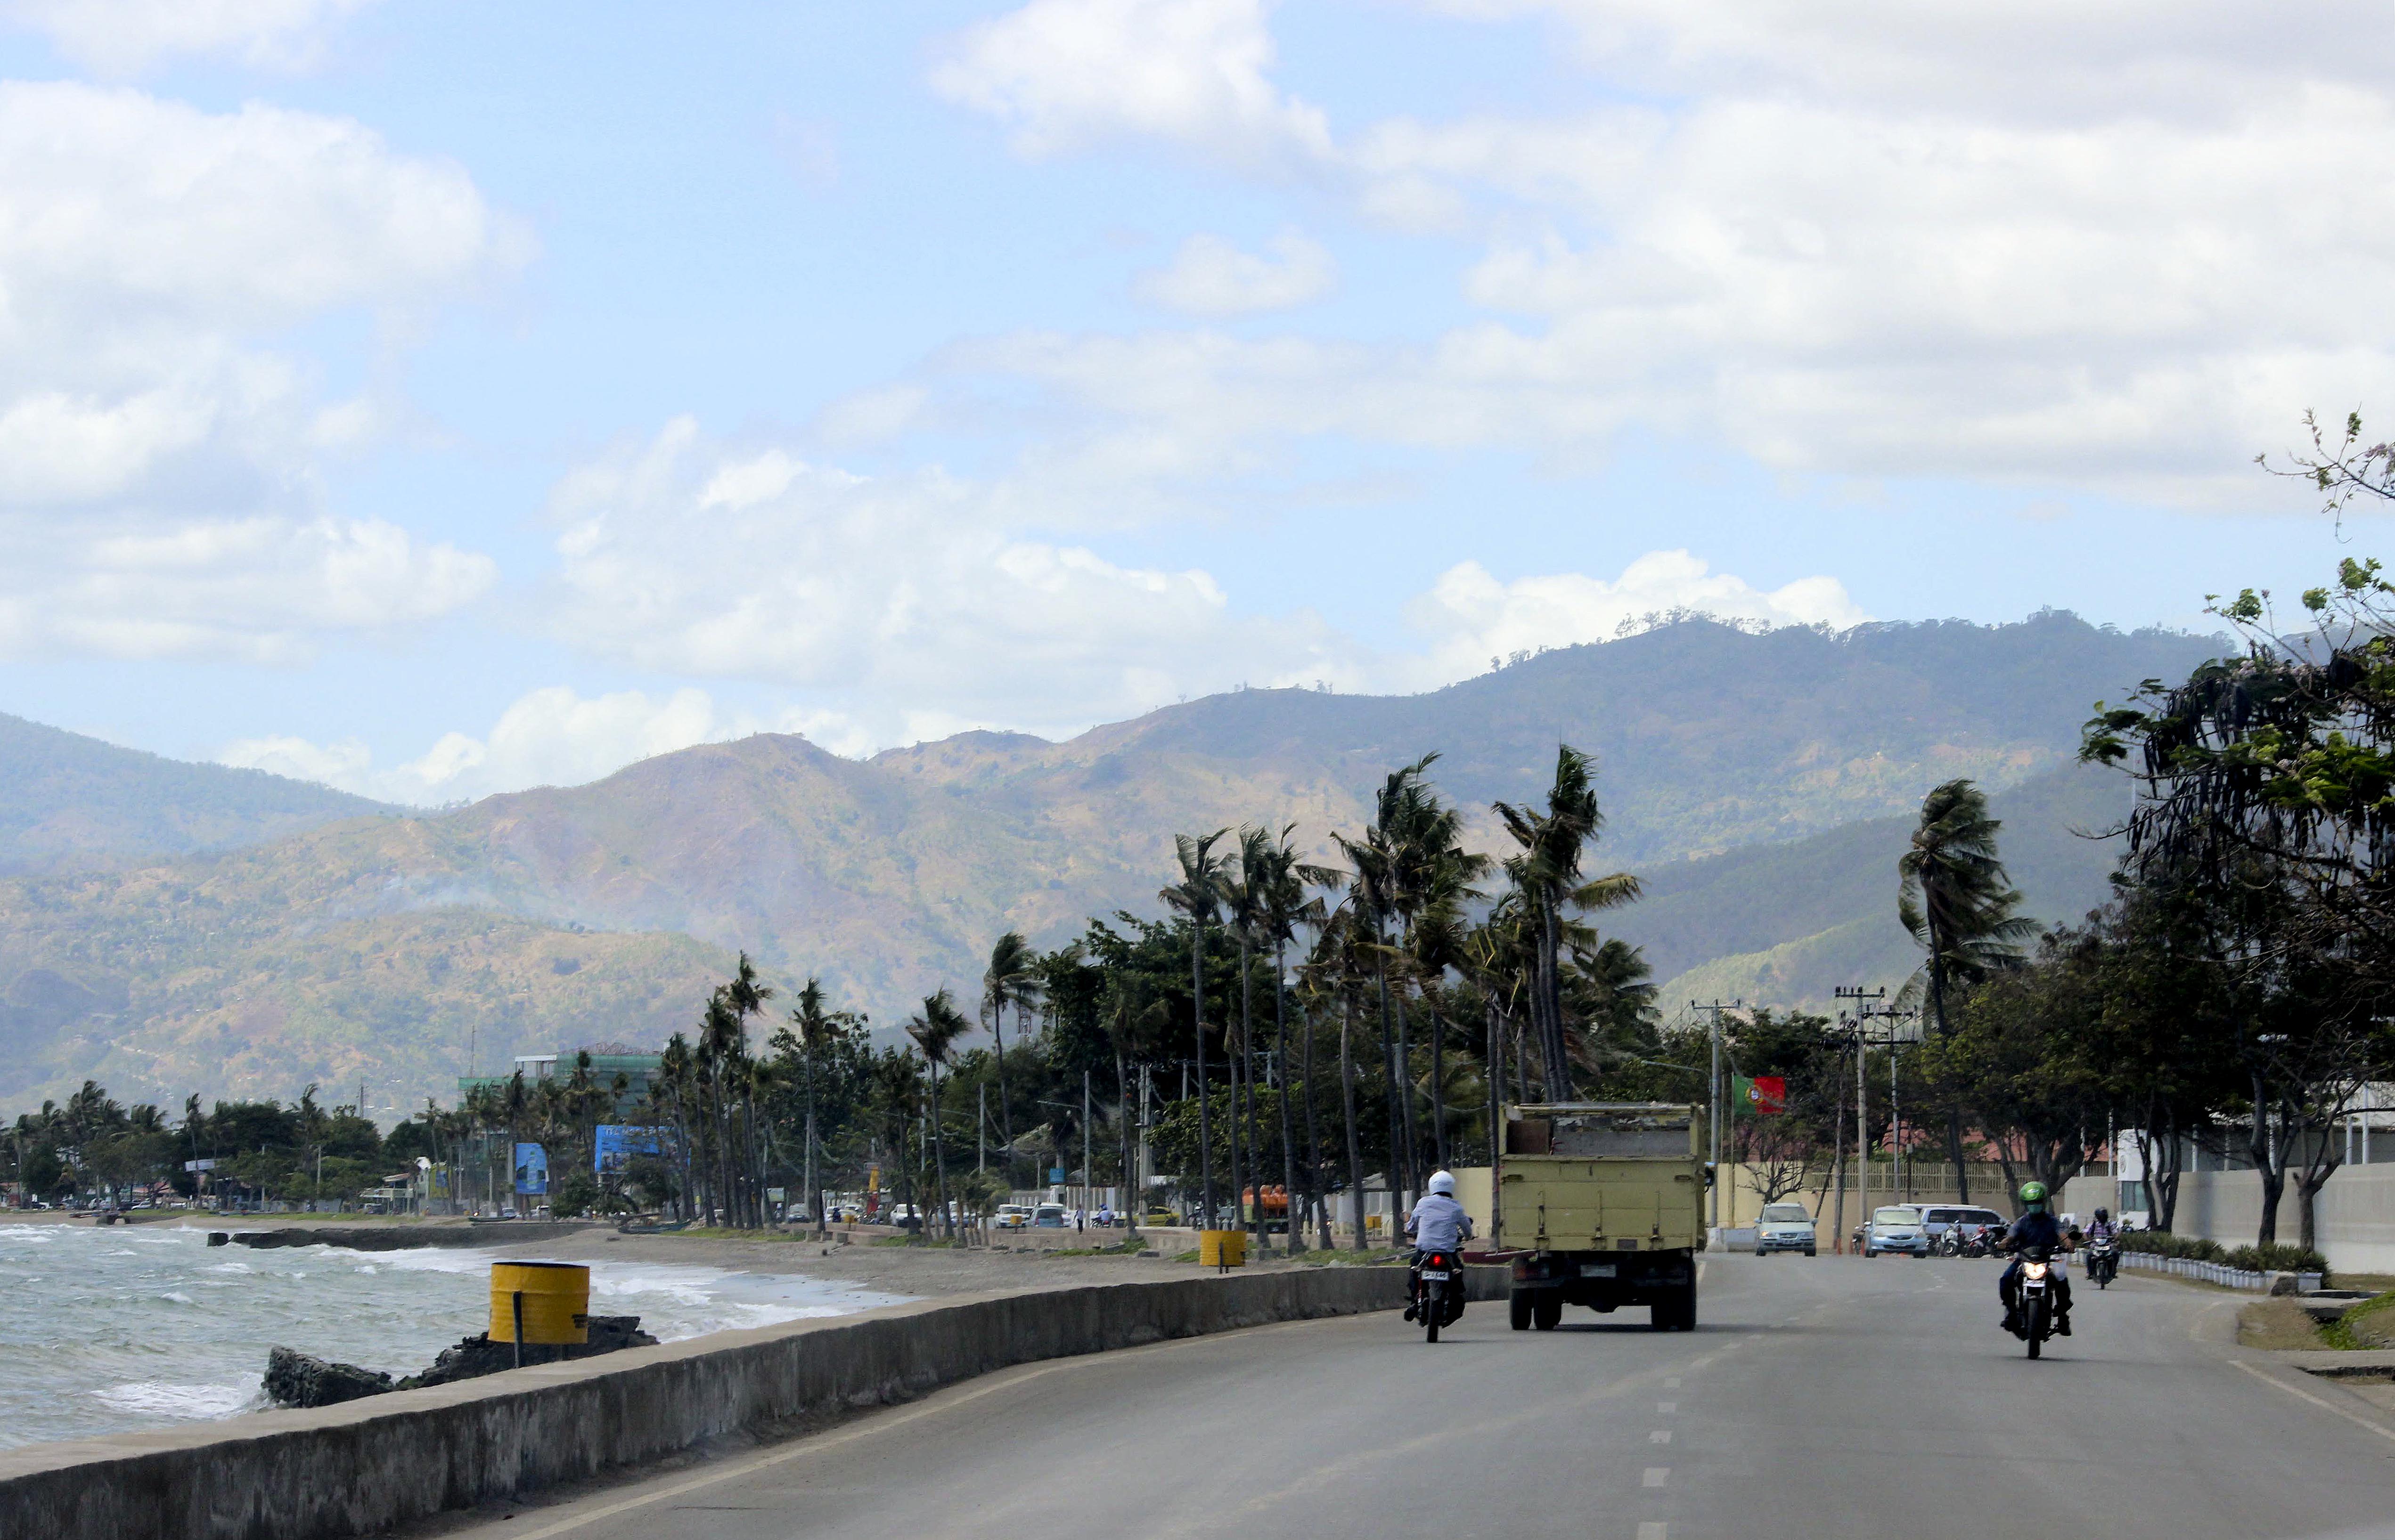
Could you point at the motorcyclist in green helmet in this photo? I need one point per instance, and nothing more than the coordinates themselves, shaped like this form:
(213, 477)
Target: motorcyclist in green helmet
(2035, 1228)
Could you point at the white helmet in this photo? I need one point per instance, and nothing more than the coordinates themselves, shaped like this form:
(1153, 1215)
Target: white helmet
(1443, 1182)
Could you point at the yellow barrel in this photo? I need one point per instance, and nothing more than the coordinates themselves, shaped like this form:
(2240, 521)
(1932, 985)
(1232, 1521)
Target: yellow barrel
(556, 1302)
(1222, 1248)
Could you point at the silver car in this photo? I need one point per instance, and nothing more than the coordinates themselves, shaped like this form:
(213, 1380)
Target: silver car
(1896, 1227)
(1784, 1227)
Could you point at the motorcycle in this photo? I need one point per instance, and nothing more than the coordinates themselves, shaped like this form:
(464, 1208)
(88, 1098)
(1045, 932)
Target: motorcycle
(1984, 1241)
(1439, 1292)
(2103, 1261)
(1950, 1242)
(2033, 1298)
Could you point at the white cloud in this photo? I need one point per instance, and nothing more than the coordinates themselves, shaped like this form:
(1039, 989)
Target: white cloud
(2115, 246)
(918, 592)
(158, 489)
(554, 736)
(1471, 618)
(126, 37)
(1211, 277)
(1066, 74)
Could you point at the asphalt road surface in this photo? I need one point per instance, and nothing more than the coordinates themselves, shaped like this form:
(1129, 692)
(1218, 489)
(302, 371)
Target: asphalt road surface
(1827, 1397)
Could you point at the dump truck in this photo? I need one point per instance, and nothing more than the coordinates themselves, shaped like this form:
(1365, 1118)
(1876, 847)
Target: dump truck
(1602, 1204)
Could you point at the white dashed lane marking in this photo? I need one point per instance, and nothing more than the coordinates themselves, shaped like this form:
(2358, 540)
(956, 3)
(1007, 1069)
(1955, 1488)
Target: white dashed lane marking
(1667, 1407)
(1672, 1384)
(1651, 1531)
(1656, 1475)
(1660, 1434)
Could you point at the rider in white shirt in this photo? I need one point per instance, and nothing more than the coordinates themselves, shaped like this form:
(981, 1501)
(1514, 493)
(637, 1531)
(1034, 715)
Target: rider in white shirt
(1437, 1223)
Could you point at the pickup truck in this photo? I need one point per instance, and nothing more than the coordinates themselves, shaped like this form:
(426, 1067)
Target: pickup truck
(1602, 1204)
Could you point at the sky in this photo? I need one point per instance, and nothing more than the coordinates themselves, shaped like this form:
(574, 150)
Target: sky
(435, 399)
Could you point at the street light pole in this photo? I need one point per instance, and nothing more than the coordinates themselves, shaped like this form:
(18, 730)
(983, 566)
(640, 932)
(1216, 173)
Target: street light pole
(1714, 1095)
(1861, 999)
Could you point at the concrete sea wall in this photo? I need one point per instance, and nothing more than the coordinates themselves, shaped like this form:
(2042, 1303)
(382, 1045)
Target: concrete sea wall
(367, 1465)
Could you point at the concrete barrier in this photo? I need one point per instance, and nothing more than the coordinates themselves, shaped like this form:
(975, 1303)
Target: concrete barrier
(367, 1465)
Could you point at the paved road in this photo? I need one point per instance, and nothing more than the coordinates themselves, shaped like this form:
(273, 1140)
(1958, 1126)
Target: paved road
(1825, 1397)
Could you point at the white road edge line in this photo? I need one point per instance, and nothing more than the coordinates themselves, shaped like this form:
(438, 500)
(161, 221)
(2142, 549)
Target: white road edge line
(2354, 1417)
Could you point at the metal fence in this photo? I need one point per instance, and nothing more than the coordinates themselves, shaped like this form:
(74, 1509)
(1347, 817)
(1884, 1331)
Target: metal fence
(2213, 1272)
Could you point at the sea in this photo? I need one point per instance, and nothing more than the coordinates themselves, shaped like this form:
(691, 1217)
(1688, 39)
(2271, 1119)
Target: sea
(126, 1328)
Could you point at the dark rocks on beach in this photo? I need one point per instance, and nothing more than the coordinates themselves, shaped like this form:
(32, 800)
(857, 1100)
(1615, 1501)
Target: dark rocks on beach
(296, 1379)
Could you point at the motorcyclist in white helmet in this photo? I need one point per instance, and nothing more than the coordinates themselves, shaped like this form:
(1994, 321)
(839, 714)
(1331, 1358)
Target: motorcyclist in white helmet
(1437, 1223)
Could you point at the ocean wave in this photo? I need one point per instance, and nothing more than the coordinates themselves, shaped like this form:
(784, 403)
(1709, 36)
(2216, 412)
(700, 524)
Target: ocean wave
(178, 1298)
(152, 1398)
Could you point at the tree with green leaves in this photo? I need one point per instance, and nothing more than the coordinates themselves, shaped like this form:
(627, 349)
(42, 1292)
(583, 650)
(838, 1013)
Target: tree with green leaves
(1198, 895)
(1011, 982)
(935, 1031)
(1550, 843)
(1955, 900)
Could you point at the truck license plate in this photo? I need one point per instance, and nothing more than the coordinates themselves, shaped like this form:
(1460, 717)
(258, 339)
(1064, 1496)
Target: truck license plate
(1597, 1269)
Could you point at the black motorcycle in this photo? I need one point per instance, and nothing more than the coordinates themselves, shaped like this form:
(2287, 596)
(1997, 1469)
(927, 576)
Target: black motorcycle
(1439, 1292)
(2103, 1261)
(2033, 1298)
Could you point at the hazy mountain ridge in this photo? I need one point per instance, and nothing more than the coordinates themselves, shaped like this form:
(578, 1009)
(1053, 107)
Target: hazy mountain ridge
(891, 876)
(70, 802)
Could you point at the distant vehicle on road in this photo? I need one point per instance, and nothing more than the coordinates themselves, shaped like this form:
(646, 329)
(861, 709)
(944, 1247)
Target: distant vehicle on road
(1896, 1227)
(1784, 1227)
(1936, 1219)
(1012, 1216)
(905, 1215)
(1603, 1202)
(1047, 1217)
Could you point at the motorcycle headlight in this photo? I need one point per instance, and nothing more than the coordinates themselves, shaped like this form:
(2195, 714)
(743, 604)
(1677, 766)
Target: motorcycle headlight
(2034, 1270)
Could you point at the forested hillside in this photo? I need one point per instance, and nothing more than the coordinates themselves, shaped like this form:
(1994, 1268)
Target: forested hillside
(373, 945)
(67, 802)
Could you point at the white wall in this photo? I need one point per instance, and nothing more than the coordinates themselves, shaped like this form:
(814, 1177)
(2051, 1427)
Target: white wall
(2356, 1212)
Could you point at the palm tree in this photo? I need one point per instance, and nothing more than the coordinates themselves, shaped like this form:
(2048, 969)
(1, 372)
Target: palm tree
(1545, 872)
(1011, 979)
(935, 1031)
(811, 1030)
(1375, 896)
(1957, 903)
(1274, 882)
(1199, 894)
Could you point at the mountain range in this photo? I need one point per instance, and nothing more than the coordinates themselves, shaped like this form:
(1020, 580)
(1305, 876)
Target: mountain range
(278, 933)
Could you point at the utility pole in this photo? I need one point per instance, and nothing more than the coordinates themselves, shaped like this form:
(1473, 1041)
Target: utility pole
(1086, 1173)
(981, 1134)
(1714, 1095)
(1861, 999)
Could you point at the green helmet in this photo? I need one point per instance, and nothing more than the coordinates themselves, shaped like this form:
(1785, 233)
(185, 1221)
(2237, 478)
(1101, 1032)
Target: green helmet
(2033, 1195)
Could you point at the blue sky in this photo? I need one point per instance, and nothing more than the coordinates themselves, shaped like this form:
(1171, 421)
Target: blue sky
(437, 399)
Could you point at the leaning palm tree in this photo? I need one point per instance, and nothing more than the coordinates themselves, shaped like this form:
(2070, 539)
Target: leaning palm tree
(1011, 979)
(935, 1031)
(1545, 872)
(1199, 894)
(1957, 903)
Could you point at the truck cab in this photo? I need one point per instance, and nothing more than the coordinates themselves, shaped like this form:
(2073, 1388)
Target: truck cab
(1602, 1205)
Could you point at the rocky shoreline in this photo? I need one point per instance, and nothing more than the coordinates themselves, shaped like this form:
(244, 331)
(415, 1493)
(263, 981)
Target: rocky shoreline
(297, 1379)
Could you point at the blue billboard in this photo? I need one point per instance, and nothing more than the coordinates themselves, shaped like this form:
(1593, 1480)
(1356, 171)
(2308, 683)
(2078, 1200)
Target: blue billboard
(532, 1171)
(618, 1143)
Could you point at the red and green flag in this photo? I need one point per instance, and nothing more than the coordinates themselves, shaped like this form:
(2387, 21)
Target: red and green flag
(1764, 1094)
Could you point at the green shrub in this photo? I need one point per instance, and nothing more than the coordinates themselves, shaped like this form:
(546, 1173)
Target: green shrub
(2161, 1243)
(2279, 1257)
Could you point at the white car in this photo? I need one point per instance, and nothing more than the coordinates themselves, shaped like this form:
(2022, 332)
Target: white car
(1896, 1227)
(1012, 1217)
(1785, 1227)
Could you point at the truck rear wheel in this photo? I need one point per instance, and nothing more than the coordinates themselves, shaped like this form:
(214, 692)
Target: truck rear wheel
(1517, 1310)
(1678, 1314)
(1547, 1313)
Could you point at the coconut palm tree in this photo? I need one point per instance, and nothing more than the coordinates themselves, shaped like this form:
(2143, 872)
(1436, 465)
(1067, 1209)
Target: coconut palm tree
(935, 1031)
(1545, 873)
(811, 1030)
(1198, 895)
(1274, 881)
(1958, 904)
(1011, 979)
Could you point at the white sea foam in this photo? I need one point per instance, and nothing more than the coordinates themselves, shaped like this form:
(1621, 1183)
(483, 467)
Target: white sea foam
(152, 1398)
(85, 1350)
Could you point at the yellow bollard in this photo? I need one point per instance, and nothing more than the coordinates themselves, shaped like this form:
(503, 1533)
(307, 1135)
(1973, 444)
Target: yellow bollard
(1222, 1248)
(552, 1299)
